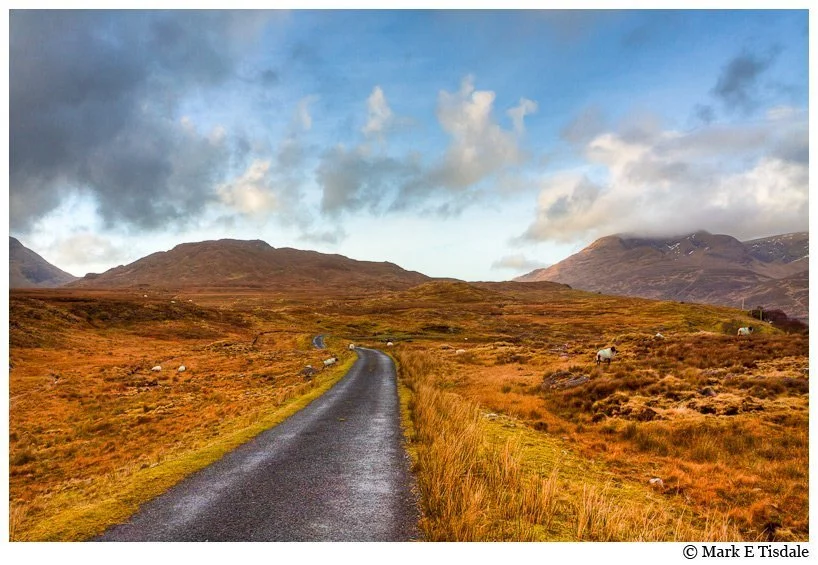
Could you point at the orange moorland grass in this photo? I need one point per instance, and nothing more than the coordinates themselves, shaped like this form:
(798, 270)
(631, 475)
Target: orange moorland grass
(491, 479)
(87, 414)
(722, 421)
(94, 432)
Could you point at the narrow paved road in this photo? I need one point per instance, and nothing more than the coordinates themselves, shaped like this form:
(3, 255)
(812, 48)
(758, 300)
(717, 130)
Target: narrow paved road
(335, 471)
(318, 341)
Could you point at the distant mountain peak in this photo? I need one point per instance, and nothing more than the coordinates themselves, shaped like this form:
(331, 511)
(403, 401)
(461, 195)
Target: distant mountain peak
(694, 267)
(251, 264)
(27, 269)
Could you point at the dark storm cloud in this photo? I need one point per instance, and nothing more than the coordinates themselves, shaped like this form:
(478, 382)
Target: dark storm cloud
(738, 85)
(93, 97)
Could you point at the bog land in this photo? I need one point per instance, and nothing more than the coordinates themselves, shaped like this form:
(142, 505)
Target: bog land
(515, 432)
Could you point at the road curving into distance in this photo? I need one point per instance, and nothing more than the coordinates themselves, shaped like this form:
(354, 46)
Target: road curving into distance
(335, 471)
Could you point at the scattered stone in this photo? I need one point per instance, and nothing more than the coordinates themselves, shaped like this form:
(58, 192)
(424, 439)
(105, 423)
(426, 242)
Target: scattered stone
(181, 368)
(750, 404)
(491, 416)
(707, 391)
(647, 414)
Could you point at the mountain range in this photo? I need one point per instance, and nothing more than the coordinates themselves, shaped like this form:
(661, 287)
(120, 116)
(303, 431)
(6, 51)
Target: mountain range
(251, 264)
(770, 272)
(28, 270)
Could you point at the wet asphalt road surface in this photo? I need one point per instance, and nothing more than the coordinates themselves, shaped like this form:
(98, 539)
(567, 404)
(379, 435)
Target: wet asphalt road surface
(318, 342)
(335, 471)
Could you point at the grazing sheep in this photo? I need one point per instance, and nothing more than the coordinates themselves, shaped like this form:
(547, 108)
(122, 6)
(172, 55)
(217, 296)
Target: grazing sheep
(389, 344)
(351, 346)
(460, 352)
(181, 368)
(157, 368)
(330, 361)
(744, 331)
(605, 355)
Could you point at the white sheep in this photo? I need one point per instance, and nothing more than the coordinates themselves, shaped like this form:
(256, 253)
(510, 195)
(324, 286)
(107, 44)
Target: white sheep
(605, 355)
(744, 331)
(659, 336)
(330, 361)
(460, 352)
(157, 368)
(181, 368)
(351, 346)
(389, 344)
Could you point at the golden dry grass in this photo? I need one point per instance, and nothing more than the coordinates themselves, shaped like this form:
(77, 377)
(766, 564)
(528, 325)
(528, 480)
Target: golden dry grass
(91, 424)
(94, 432)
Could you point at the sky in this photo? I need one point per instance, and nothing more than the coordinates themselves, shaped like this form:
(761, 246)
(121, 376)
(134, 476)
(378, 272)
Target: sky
(475, 144)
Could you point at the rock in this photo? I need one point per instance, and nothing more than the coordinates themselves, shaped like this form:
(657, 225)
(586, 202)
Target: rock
(731, 410)
(647, 414)
(181, 368)
(657, 482)
(707, 391)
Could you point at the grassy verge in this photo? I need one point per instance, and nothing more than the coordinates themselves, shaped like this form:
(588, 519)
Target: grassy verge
(82, 514)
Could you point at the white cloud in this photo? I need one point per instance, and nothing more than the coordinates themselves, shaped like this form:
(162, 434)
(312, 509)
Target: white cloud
(303, 112)
(379, 114)
(479, 147)
(84, 248)
(740, 180)
(250, 193)
(517, 262)
(518, 114)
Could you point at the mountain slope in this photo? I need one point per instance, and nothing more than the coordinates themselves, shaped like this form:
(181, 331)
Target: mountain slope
(699, 267)
(250, 264)
(28, 270)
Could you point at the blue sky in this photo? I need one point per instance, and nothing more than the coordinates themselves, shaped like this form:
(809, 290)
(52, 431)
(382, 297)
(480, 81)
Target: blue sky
(476, 144)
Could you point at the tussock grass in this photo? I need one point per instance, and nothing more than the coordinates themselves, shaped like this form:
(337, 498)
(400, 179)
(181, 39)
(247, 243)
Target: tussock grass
(485, 480)
(73, 514)
(722, 421)
(94, 432)
(470, 490)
